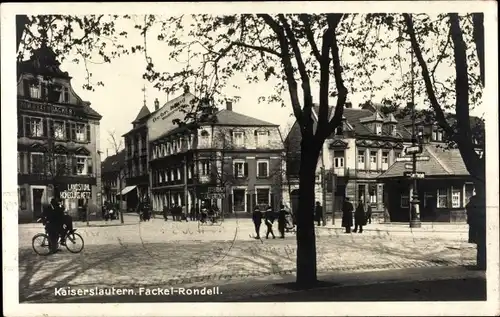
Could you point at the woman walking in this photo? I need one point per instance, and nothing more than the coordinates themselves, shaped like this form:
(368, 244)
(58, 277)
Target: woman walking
(347, 209)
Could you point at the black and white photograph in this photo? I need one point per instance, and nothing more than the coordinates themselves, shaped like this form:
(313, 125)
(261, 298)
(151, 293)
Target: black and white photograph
(250, 158)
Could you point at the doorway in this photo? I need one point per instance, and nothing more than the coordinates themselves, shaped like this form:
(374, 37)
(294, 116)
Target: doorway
(238, 200)
(37, 202)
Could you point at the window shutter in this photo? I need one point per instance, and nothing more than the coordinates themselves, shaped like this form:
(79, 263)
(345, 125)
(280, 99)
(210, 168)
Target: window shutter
(45, 123)
(88, 132)
(89, 166)
(20, 126)
(26, 87)
(51, 130)
(27, 130)
(245, 168)
(73, 131)
(73, 165)
(68, 131)
(230, 203)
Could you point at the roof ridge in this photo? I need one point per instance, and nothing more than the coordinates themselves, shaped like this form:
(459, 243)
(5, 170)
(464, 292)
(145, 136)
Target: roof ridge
(443, 165)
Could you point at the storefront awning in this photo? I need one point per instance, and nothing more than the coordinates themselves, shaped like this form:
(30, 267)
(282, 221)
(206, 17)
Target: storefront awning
(128, 189)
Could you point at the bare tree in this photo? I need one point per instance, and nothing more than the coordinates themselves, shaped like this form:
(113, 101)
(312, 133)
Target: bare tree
(117, 145)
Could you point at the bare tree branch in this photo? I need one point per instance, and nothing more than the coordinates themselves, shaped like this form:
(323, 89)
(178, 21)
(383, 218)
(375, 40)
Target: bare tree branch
(117, 144)
(427, 78)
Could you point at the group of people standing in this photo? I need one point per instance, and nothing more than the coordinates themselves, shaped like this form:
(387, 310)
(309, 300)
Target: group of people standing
(362, 215)
(269, 216)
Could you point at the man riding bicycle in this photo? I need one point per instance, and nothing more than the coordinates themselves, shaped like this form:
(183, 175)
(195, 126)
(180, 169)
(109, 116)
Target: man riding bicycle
(56, 222)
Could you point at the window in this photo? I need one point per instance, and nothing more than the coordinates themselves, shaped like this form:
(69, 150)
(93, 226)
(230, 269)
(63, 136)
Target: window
(80, 132)
(385, 160)
(405, 201)
(81, 165)
(391, 129)
(61, 165)
(35, 126)
(205, 168)
(373, 160)
(190, 175)
(58, 130)
(238, 169)
(172, 173)
(204, 137)
(262, 169)
(434, 134)
(262, 138)
(339, 130)
(442, 198)
(373, 196)
(37, 163)
(378, 128)
(179, 174)
(361, 192)
(238, 139)
(439, 135)
(338, 159)
(64, 97)
(35, 91)
(361, 157)
(456, 195)
(263, 196)
(420, 132)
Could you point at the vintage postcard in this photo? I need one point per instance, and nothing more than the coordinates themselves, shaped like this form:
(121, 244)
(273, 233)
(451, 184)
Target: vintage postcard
(250, 158)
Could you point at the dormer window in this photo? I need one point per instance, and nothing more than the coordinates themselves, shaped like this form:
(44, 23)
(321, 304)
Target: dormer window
(238, 138)
(378, 128)
(340, 129)
(262, 138)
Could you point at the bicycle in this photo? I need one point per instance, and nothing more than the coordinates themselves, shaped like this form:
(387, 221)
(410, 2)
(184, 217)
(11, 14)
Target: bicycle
(71, 241)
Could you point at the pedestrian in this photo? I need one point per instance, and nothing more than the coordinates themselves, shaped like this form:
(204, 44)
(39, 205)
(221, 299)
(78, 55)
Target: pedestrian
(173, 211)
(368, 215)
(318, 213)
(269, 220)
(184, 215)
(257, 221)
(282, 221)
(347, 209)
(197, 212)
(165, 212)
(192, 213)
(359, 217)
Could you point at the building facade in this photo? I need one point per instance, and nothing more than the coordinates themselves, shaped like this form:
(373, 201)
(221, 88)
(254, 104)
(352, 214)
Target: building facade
(229, 160)
(113, 178)
(58, 139)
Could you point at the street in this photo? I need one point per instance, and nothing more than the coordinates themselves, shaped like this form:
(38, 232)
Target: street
(161, 254)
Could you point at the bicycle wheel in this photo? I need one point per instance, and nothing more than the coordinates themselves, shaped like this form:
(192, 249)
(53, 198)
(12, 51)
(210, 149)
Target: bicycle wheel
(40, 244)
(74, 242)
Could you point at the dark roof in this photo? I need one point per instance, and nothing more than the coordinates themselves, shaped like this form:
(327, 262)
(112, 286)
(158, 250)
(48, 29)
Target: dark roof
(442, 162)
(113, 163)
(144, 112)
(229, 117)
(43, 61)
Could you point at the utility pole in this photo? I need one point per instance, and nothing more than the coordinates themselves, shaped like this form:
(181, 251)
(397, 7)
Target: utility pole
(415, 209)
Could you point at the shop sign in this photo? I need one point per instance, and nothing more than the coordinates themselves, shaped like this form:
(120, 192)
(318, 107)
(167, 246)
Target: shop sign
(77, 191)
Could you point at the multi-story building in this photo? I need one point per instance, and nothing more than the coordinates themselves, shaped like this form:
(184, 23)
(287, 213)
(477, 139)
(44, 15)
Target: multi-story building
(361, 149)
(136, 159)
(365, 158)
(227, 159)
(58, 139)
(113, 178)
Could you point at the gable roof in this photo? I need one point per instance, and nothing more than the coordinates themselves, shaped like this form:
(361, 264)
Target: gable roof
(442, 162)
(142, 113)
(113, 163)
(229, 117)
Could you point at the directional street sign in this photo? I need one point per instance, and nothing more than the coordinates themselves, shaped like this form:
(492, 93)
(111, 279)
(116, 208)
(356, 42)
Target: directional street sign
(414, 175)
(409, 166)
(413, 150)
(410, 159)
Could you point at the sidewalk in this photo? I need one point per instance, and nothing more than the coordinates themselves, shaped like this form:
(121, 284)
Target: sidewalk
(423, 284)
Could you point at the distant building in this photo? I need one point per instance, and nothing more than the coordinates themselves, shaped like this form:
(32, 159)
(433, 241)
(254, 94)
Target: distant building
(228, 159)
(113, 178)
(58, 139)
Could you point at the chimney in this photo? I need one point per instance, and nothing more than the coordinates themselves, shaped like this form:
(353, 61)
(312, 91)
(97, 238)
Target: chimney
(157, 104)
(229, 105)
(348, 105)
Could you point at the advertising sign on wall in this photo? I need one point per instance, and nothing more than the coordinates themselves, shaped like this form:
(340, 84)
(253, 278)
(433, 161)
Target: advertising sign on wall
(77, 191)
(162, 120)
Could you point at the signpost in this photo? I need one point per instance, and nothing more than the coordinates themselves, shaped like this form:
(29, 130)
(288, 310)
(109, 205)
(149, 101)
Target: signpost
(409, 166)
(413, 150)
(414, 175)
(409, 159)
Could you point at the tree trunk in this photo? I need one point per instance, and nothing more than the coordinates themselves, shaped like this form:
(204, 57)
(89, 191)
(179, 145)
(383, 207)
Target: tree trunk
(306, 242)
(480, 222)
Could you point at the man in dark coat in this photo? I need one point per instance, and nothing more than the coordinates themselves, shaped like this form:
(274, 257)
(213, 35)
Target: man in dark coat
(359, 217)
(165, 212)
(318, 213)
(368, 214)
(269, 220)
(347, 209)
(282, 221)
(53, 219)
(257, 221)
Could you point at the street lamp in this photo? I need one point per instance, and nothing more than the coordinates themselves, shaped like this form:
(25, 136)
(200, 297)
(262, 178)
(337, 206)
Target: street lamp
(414, 204)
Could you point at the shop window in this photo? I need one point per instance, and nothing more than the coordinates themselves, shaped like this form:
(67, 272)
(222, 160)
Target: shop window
(263, 196)
(442, 198)
(456, 197)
